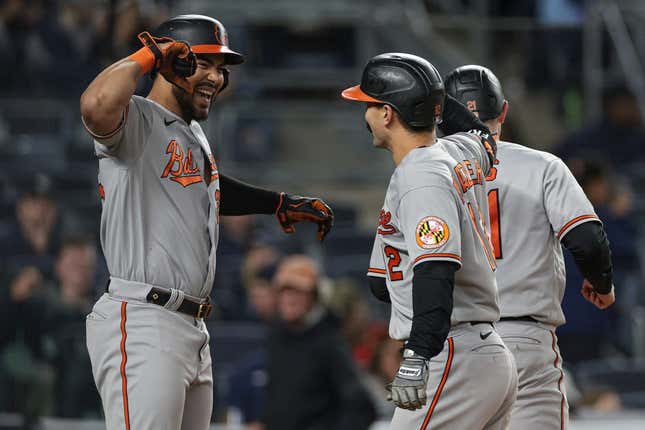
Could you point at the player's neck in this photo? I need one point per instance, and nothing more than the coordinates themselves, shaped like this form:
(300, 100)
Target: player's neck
(495, 129)
(403, 144)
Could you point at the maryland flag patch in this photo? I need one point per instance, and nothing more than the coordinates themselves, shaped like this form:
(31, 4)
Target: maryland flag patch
(432, 232)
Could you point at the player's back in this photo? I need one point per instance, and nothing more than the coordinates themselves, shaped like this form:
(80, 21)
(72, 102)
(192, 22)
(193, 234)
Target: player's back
(534, 200)
(466, 149)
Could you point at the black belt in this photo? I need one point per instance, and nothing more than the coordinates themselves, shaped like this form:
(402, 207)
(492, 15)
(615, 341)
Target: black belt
(187, 306)
(525, 319)
(481, 322)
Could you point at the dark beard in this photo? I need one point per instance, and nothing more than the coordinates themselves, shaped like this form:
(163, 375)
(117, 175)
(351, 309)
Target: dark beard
(185, 102)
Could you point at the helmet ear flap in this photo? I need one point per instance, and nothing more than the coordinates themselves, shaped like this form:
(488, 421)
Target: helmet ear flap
(225, 73)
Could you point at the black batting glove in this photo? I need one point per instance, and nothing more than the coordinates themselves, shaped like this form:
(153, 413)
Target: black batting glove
(489, 144)
(293, 209)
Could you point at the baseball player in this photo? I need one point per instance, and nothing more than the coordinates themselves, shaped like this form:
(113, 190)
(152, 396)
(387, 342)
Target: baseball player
(432, 259)
(535, 205)
(162, 195)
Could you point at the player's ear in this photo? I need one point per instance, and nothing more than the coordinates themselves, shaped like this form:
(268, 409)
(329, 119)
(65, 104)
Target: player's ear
(388, 114)
(502, 116)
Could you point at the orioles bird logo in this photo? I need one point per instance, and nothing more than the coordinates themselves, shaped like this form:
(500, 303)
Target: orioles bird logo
(220, 36)
(384, 223)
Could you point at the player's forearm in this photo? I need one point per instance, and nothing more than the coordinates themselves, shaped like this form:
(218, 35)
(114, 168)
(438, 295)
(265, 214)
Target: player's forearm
(239, 198)
(378, 286)
(105, 99)
(432, 289)
(590, 249)
(458, 118)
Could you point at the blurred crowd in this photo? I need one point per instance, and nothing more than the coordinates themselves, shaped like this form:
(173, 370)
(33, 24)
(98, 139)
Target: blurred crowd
(55, 47)
(314, 328)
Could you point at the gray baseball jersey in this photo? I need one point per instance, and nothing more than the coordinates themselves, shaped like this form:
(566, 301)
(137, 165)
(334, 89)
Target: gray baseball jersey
(534, 201)
(434, 210)
(159, 224)
(159, 227)
(432, 213)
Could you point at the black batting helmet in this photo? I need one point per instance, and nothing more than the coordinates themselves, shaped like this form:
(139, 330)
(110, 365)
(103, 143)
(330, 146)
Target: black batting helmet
(205, 35)
(478, 89)
(410, 84)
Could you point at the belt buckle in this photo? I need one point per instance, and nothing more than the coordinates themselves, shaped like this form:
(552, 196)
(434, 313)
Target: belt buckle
(204, 310)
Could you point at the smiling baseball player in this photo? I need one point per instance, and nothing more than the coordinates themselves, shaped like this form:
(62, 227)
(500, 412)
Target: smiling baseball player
(535, 205)
(162, 196)
(432, 258)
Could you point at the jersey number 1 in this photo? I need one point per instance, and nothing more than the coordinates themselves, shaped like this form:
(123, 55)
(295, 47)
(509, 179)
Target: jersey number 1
(495, 228)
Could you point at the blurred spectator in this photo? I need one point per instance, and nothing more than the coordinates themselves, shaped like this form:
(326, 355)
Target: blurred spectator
(26, 375)
(359, 330)
(32, 239)
(257, 270)
(590, 333)
(385, 363)
(248, 380)
(41, 52)
(76, 395)
(236, 237)
(247, 398)
(612, 200)
(43, 336)
(255, 142)
(313, 383)
(617, 138)
(559, 40)
(55, 45)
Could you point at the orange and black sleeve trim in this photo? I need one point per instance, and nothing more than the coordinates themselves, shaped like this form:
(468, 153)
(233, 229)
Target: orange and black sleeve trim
(113, 133)
(576, 221)
(437, 256)
(373, 271)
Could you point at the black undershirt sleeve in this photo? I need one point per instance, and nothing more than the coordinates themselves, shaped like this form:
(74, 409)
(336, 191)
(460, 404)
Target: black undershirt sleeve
(458, 118)
(379, 288)
(589, 246)
(432, 287)
(238, 198)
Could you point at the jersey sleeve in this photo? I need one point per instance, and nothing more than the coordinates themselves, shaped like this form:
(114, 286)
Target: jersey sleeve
(127, 141)
(377, 263)
(430, 223)
(566, 204)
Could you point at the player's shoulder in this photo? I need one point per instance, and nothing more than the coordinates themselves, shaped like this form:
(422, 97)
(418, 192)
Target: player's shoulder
(462, 137)
(141, 108)
(427, 166)
(146, 105)
(522, 154)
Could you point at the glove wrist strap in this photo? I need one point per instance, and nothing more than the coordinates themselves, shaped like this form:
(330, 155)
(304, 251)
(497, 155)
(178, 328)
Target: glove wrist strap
(145, 58)
(282, 197)
(409, 353)
(149, 57)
